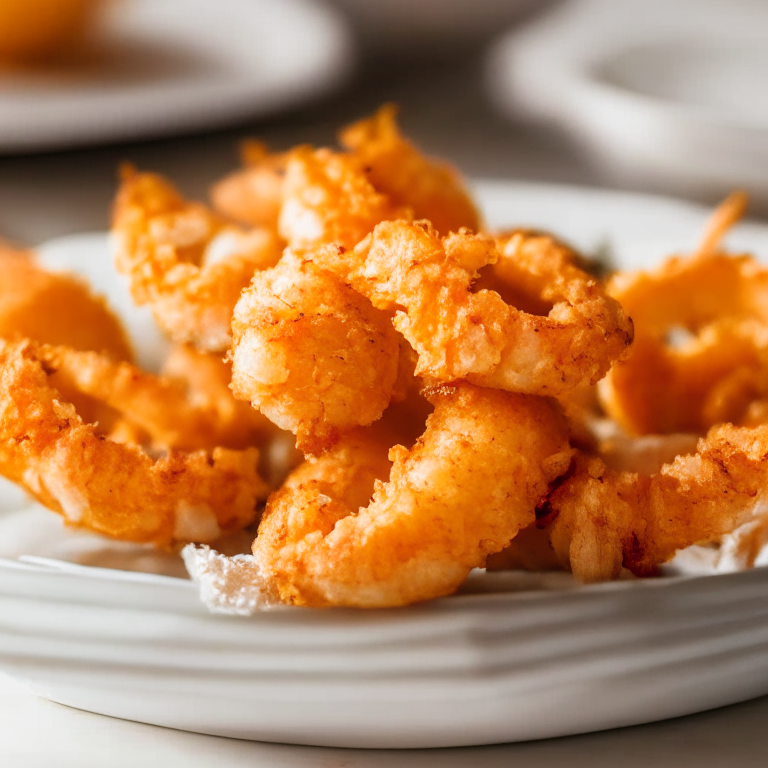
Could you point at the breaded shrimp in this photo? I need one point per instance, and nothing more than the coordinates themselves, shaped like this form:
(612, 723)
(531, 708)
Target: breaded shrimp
(183, 260)
(432, 189)
(462, 492)
(312, 354)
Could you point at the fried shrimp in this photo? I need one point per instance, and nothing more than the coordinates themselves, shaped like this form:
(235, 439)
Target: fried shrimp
(462, 492)
(172, 413)
(183, 260)
(461, 334)
(312, 354)
(432, 189)
(58, 308)
(114, 488)
(55, 308)
(328, 199)
(532, 550)
(700, 355)
(254, 194)
(604, 519)
(339, 197)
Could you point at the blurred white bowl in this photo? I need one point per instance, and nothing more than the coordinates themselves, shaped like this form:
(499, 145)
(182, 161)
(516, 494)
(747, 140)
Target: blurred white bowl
(678, 106)
(421, 25)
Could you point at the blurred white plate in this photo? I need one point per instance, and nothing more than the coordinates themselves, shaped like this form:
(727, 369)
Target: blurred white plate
(674, 104)
(178, 65)
(516, 657)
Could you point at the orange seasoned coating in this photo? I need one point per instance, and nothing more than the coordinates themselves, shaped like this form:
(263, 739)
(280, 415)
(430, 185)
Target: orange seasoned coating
(460, 334)
(380, 172)
(422, 397)
(206, 378)
(470, 483)
(700, 355)
(328, 199)
(312, 354)
(183, 260)
(432, 189)
(113, 488)
(170, 413)
(55, 308)
(253, 195)
(606, 519)
(59, 308)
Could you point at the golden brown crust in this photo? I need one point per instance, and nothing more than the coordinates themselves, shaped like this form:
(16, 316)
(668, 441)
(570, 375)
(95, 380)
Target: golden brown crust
(458, 334)
(114, 488)
(604, 519)
(187, 263)
(462, 492)
(432, 189)
(329, 200)
(700, 354)
(253, 195)
(312, 354)
(55, 308)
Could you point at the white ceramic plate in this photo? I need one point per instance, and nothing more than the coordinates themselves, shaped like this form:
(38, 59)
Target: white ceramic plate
(180, 65)
(667, 95)
(515, 657)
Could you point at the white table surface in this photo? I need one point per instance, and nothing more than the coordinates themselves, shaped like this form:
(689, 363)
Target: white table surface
(35, 733)
(443, 108)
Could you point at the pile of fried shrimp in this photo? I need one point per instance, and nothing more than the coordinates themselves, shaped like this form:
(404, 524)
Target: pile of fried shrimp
(383, 392)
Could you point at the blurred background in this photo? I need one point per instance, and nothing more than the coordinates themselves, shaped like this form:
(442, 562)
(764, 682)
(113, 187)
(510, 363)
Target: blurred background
(636, 94)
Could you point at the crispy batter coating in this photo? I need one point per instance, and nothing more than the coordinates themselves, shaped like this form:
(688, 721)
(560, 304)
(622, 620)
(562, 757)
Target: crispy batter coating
(431, 188)
(59, 308)
(328, 199)
(339, 197)
(116, 489)
(700, 355)
(199, 413)
(604, 518)
(460, 334)
(253, 195)
(55, 308)
(462, 492)
(183, 260)
(532, 549)
(312, 354)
